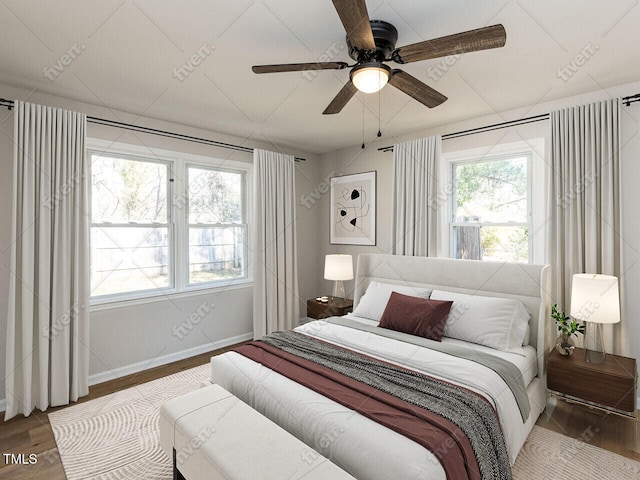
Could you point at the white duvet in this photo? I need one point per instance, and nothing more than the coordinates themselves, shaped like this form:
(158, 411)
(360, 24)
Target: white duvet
(364, 448)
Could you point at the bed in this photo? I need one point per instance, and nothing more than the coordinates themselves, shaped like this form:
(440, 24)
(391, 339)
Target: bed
(372, 449)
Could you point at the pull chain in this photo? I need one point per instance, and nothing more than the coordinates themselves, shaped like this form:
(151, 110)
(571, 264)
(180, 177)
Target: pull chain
(379, 132)
(362, 97)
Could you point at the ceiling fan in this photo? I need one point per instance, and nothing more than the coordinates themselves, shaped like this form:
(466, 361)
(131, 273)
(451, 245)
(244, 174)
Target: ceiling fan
(373, 42)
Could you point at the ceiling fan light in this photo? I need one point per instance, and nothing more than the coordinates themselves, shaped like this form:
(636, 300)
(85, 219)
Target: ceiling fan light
(369, 78)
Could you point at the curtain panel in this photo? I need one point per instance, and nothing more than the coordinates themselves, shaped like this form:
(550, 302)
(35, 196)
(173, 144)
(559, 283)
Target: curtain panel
(415, 196)
(584, 199)
(48, 314)
(275, 292)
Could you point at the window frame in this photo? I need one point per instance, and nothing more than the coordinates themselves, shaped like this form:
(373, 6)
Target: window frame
(178, 163)
(453, 199)
(188, 225)
(170, 225)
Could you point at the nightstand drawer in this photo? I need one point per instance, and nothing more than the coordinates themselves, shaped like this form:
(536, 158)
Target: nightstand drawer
(611, 384)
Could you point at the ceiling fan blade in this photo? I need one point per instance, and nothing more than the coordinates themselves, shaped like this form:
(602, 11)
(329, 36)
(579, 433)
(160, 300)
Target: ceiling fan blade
(483, 38)
(296, 67)
(341, 99)
(416, 89)
(355, 19)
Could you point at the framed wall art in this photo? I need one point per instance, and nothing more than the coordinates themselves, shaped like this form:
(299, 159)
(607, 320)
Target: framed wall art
(353, 209)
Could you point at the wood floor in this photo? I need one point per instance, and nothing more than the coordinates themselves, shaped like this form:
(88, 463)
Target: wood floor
(33, 435)
(605, 430)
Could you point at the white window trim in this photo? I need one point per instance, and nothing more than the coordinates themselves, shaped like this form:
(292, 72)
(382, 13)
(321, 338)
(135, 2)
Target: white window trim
(156, 296)
(178, 162)
(537, 191)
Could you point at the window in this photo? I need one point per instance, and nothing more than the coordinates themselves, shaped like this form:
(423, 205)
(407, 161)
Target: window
(217, 247)
(162, 225)
(131, 231)
(491, 217)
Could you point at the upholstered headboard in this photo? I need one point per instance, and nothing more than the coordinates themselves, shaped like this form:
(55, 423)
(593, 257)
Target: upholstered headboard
(525, 282)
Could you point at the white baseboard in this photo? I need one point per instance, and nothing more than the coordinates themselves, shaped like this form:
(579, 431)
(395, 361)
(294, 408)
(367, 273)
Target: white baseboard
(163, 360)
(156, 362)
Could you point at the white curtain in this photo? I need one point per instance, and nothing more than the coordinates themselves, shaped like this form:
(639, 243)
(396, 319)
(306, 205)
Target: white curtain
(584, 199)
(415, 196)
(48, 314)
(275, 293)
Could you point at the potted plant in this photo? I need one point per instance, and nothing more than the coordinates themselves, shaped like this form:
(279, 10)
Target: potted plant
(566, 328)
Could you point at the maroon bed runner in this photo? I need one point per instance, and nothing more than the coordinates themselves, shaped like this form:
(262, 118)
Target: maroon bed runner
(437, 434)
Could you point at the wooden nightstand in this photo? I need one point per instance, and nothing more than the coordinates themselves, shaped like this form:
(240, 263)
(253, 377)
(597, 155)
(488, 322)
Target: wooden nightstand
(334, 308)
(609, 386)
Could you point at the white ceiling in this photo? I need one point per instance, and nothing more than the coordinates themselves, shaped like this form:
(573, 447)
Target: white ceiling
(128, 51)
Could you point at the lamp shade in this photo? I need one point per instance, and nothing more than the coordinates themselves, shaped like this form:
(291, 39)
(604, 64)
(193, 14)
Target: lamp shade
(595, 298)
(338, 267)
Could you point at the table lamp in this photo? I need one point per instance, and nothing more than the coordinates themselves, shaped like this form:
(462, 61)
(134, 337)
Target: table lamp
(595, 300)
(338, 268)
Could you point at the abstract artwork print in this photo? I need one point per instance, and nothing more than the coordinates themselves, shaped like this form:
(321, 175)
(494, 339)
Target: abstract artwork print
(353, 209)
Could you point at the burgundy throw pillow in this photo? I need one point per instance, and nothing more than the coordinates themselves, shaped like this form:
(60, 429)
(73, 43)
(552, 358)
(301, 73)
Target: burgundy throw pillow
(416, 316)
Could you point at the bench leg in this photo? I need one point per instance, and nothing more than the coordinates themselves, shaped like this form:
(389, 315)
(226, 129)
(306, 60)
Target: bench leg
(176, 473)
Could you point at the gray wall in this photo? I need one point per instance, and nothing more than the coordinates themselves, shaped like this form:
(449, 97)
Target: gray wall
(127, 338)
(140, 335)
(355, 160)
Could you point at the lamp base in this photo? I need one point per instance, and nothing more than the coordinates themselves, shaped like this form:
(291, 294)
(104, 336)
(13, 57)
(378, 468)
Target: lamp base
(594, 343)
(338, 289)
(593, 356)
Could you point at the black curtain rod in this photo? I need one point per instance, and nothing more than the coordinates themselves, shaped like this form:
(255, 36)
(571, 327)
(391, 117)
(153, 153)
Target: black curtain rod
(497, 126)
(487, 128)
(154, 131)
(631, 99)
(522, 121)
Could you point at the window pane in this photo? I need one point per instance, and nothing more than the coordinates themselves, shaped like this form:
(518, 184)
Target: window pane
(126, 191)
(504, 244)
(216, 254)
(126, 259)
(493, 191)
(214, 197)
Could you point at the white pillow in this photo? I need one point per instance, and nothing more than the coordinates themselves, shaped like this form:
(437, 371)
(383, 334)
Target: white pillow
(374, 301)
(499, 323)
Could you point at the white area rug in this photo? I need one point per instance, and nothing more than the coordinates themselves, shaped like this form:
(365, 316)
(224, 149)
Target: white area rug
(550, 456)
(116, 437)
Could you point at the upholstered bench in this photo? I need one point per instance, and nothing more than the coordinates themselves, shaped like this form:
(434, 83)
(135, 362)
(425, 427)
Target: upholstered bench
(211, 434)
